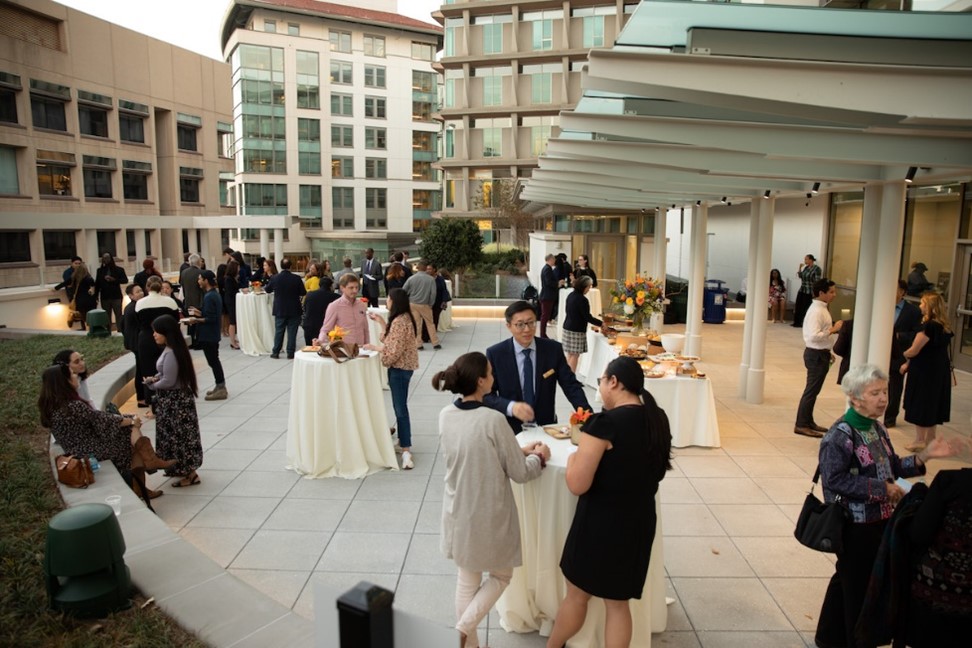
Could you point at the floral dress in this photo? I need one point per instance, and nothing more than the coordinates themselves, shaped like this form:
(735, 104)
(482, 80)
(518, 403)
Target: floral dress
(82, 430)
(176, 422)
(777, 293)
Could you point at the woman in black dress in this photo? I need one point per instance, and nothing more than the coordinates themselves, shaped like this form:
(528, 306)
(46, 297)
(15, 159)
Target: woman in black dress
(231, 286)
(81, 290)
(623, 454)
(152, 305)
(928, 393)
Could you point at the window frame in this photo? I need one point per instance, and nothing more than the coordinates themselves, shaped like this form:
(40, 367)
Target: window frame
(344, 71)
(370, 43)
(378, 136)
(374, 72)
(377, 106)
(338, 44)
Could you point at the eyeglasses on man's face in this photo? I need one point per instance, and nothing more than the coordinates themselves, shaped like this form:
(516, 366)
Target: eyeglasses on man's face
(524, 325)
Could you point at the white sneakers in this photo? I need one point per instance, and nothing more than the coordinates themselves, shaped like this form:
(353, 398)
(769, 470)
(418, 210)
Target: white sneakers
(407, 463)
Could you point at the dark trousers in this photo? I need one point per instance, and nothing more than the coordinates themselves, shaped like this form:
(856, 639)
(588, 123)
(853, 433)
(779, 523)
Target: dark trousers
(113, 308)
(895, 389)
(398, 380)
(800, 307)
(290, 324)
(817, 362)
(139, 385)
(211, 351)
(436, 312)
(845, 594)
(546, 314)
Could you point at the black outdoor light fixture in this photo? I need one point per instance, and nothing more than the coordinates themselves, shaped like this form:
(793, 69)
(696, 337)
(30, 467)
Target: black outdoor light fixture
(816, 188)
(766, 194)
(912, 171)
(54, 300)
(723, 201)
(698, 203)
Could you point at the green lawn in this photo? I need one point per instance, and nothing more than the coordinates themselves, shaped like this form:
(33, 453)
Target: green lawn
(29, 498)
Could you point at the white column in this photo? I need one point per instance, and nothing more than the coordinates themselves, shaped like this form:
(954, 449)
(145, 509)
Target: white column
(693, 325)
(889, 242)
(141, 251)
(751, 283)
(278, 253)
(758, 289)
(264, 242)
(36, 241)
(204, 249)
(868, 252)
(121, 244)
(90, 253)
(660, 265)
(156, 237)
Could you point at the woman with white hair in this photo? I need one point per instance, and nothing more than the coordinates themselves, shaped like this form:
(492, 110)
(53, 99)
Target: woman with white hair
(858, 467)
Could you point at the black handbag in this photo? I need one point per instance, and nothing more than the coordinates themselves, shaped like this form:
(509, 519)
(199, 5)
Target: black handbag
(821, 526)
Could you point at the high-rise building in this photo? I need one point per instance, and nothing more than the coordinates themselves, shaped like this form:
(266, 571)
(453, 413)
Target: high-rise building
(333, 110)
(509, 68)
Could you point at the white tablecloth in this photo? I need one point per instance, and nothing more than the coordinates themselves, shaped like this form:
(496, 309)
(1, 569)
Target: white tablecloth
(445, 317)
(546, 510)
(374, 332)
(593, 296)
(254, 323)
(337, 425)
(688, 402)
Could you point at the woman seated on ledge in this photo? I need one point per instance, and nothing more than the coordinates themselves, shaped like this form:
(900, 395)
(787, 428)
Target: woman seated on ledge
(82, 430)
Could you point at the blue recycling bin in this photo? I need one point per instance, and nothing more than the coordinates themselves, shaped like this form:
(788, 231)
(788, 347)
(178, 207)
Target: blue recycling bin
(714, 301)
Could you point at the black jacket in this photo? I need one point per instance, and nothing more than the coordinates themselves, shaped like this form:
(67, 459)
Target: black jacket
(287, 289)
(548, 283)
(109, 289)
(315, 305)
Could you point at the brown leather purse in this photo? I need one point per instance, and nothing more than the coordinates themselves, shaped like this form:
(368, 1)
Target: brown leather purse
(339, 351)
(74, 471)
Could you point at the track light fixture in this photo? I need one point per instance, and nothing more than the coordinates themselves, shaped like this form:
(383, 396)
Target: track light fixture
(729, 204)
(698, 203)
(766, 194)
(816, 188)
(912, 171)
(673, 206)
(723, 201)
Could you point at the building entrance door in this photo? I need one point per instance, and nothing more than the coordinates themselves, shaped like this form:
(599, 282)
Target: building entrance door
(962, 345)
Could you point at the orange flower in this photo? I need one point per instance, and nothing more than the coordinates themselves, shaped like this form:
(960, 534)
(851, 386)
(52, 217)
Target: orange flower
(580, 416)
(640, 301)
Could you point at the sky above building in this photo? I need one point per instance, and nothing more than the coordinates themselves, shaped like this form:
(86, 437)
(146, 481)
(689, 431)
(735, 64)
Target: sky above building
(194, 24)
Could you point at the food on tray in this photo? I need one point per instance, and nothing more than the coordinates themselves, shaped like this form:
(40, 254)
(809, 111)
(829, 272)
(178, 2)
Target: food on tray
(557, 431)
(311, 349)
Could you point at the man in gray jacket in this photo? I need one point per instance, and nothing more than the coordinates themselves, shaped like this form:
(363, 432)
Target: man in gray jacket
(192, 294)
(421, 295)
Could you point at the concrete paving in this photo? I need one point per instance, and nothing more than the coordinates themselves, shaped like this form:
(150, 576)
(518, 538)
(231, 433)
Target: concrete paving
(737, 575)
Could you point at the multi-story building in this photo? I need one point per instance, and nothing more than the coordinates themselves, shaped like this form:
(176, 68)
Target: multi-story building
(333, 110)
(110, 141)
(510, 67)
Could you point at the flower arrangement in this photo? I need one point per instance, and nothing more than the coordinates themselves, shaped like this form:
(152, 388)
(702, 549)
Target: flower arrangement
(257, 286)
(580, 416)
(336, 334)
(639, 298)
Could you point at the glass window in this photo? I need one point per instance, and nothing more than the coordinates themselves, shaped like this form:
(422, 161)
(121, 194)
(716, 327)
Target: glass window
(376, 168)
(423, 81)
(375, 107)
(342, 104)
(342, 204)
(53, 179)
(187, 138)
(375, 198)
(340, 40)
(97, 183)
(257, 160)
(422, 51)
(308, 80)
(14, 247)
(493, 91)
(933, 215)
(9, 179)
(92, 120)
(310, 204)
(135, 186)
(48, 113)
(131, 128)
(270, 26)
(375, 138)
(342, 167)
(594, 31)
(224, 141)
(293, 29)
(421, 111)
(59, 245)
(374, 45)
(452, 35)
(8, 105)
(543, 35)
(450, 92)
(341, 72)
(189, 190)
(542, 87)
(423, 171)
(342, 136)
(272, 196)
(423, 141)
(374, 76)
(492, 39)
(376, 214)
(450, 142)
(308, 130)
(309, 162)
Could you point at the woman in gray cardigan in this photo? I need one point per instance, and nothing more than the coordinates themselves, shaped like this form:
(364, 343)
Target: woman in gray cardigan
(480, 530)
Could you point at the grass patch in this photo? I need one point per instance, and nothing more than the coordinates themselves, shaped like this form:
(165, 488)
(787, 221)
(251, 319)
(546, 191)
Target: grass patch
(29, 498)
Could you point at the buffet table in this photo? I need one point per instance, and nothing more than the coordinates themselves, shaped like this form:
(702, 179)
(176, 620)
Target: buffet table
(593, 296)
(546, 510)
(254, 322)
(688, 402)
(337, 425)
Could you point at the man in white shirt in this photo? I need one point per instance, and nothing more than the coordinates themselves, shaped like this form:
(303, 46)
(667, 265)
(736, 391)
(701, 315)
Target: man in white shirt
(818, 331)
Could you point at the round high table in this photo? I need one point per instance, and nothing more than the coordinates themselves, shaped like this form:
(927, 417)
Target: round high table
(254, 322)
(546, 510)
(337, 425)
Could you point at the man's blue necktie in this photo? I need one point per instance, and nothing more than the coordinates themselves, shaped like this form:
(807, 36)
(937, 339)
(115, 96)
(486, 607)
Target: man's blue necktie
(527, 377)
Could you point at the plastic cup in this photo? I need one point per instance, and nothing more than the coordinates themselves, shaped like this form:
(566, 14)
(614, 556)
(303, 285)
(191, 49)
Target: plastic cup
(114, 501)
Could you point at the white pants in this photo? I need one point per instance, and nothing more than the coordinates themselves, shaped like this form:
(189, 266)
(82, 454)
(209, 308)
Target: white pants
(475, 598)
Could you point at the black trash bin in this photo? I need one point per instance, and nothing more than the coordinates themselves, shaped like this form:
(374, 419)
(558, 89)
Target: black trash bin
(714, 301)
(676, 289)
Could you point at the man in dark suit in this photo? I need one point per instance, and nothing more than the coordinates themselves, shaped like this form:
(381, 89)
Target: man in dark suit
(287, 289)
(526, 371)
(315, 305)
(192, 294)
(548, 293)
(371, 274)
(907, 323)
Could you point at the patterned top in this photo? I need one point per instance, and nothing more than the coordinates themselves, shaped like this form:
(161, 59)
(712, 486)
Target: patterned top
(856, 465)
(81, 430)
(399, 351)
(777, 292)
(808, 276)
